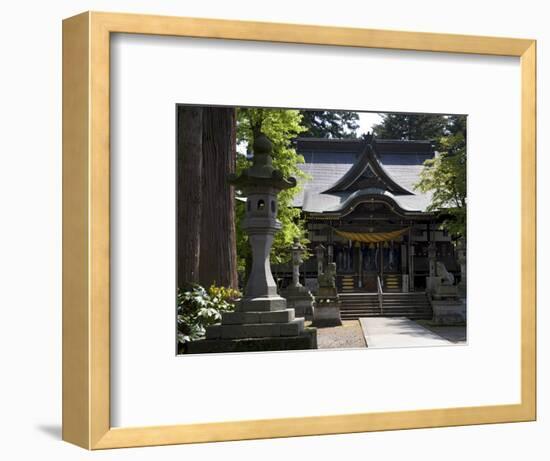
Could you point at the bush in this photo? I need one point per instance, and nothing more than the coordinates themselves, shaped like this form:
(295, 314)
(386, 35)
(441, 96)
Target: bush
(198, 308)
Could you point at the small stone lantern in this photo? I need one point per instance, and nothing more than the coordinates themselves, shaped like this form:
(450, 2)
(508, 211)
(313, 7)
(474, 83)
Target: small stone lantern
(297, 250)
(297, 296)
(320, 253)
(432, 279)
(461, 259)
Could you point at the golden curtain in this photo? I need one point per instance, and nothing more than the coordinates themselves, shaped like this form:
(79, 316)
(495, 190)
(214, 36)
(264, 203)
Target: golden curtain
(371, 237)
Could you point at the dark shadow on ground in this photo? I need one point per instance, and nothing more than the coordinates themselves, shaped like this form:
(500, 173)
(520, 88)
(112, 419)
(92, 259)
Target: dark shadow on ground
(453, 333)
(51, 430)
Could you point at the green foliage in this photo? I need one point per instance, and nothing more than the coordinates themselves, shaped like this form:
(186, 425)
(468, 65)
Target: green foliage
(330, 123)
(281, 126)
(198, 308)
(445, 177)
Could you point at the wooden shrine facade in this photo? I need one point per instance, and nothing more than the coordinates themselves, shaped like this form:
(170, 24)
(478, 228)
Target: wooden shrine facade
(361, 205)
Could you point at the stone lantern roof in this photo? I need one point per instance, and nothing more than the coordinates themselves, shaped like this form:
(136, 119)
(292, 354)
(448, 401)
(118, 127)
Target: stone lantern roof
(262, 172)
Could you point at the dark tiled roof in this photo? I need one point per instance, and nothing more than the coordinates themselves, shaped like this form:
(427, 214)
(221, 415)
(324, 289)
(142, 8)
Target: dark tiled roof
(328, 160)
(392, 146)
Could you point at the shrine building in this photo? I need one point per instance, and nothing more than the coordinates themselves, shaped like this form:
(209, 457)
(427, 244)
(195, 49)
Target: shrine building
(364, 213)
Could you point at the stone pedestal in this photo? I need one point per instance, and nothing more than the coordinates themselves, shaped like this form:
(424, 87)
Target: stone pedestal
(307, 340)
(440, 290)
(432, 283)
(440, 284)
(301, 300)
(327, 302)
(326, 312)
(449, 312)
(239, 325)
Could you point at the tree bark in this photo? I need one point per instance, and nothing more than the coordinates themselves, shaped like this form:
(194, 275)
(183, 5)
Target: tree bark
(218, 258)
(189, 193)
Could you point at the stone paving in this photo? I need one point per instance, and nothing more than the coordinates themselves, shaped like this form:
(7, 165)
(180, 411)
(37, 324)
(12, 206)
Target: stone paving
(398, 332)
(388, 332)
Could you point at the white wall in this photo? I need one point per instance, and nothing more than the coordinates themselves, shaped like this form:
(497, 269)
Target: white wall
(30, 235)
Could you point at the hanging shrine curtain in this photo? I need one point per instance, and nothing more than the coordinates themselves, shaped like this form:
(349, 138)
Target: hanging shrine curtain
(371, 237)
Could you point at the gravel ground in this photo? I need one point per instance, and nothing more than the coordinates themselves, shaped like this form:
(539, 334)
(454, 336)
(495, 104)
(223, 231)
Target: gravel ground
(349, 335)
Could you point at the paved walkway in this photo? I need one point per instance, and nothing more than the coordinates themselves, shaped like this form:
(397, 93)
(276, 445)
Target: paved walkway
(398, 332)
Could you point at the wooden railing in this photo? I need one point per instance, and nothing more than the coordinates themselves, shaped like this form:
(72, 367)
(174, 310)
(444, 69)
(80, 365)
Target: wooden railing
(380, 295)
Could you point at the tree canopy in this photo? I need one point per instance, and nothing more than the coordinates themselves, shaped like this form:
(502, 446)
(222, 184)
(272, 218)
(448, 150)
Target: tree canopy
(281, 126)
(412, 126)
(445, 177)
(330, 123)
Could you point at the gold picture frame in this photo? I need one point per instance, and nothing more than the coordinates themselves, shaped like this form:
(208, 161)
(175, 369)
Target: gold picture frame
(86, 239)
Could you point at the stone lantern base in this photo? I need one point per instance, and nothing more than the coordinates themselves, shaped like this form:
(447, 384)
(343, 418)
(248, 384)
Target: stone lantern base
(305, 340)
(327, 308)
(245, 330)
(301, 300)
(449, 312)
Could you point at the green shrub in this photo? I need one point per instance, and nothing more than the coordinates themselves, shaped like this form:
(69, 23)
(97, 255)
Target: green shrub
(198, 308)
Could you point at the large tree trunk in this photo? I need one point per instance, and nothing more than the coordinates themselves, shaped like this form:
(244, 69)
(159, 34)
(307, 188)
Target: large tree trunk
(189, 193)
(218, 262)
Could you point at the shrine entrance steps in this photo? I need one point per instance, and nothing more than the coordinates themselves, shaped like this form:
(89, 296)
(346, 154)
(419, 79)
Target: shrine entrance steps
(348, 284)
(411, 305)
(392, 283)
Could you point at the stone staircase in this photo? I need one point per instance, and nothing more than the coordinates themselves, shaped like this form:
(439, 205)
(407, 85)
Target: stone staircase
(392, 283)
(411, 305)
(348, 284)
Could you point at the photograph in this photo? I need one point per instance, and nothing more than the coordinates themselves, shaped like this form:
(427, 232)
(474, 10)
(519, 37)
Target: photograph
(303, 229)
(262, 231)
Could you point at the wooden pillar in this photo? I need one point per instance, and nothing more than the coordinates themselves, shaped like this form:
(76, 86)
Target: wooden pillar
(411, 259)
(403, 258)
(360, 268)
(404, 275)
(381, 251)
(330, 245)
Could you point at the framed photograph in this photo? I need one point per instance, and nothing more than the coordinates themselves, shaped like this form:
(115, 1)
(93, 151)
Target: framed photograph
(276, 230)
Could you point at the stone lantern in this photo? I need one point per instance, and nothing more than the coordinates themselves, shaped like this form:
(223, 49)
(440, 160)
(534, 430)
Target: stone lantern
(298, 297)
(461, 259)
(327, 302)
(431, 280)
(260, 184)
(297, 250)
(261, 320)
(320, 253)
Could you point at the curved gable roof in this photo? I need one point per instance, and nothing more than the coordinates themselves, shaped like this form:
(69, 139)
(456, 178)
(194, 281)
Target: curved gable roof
(344, 172)
(368, 172)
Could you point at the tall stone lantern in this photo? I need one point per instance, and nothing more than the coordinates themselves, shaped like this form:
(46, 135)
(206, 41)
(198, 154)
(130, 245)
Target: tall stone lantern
(260, 184)
(261, 321)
